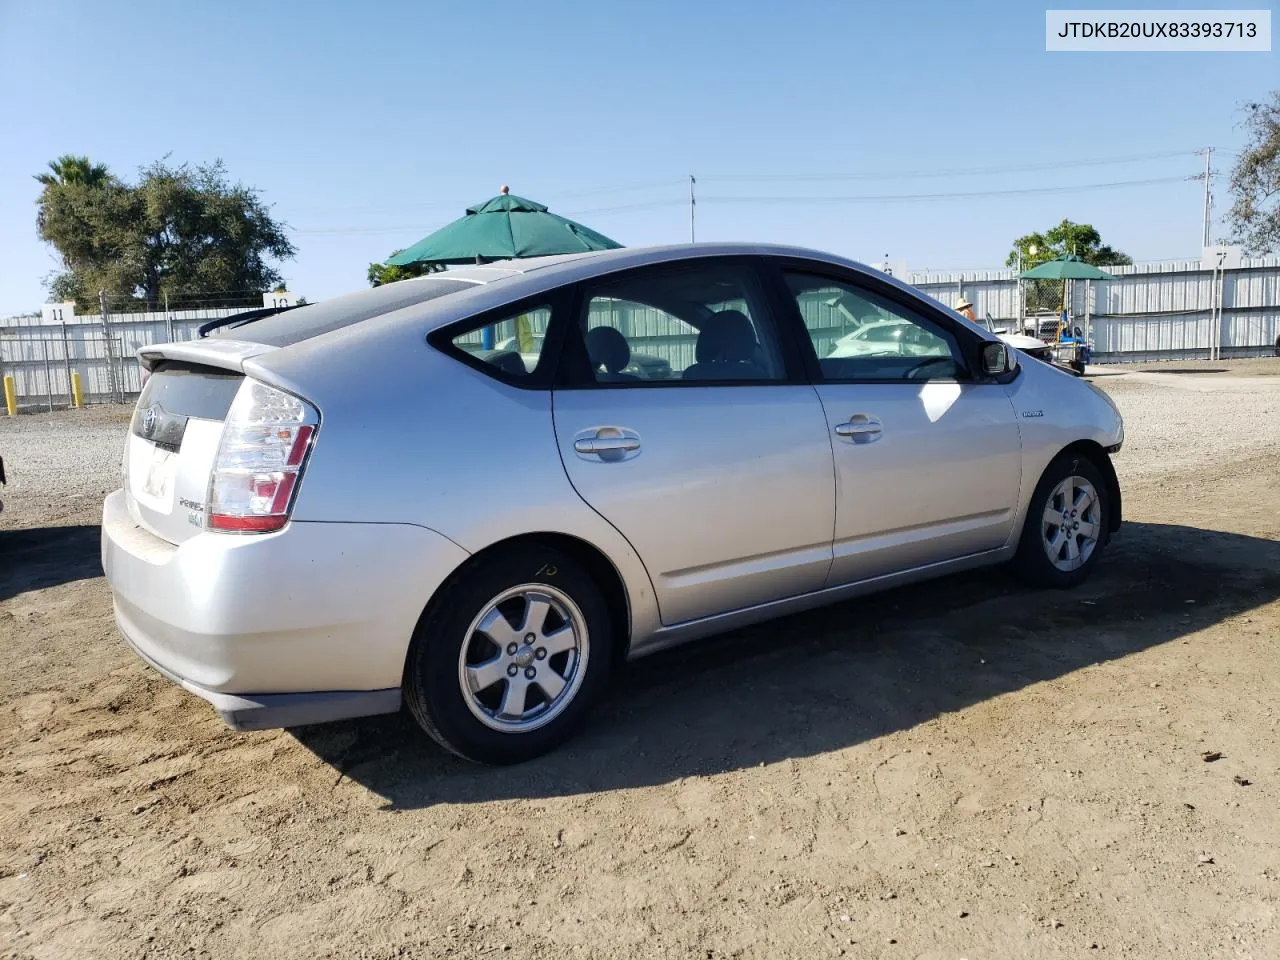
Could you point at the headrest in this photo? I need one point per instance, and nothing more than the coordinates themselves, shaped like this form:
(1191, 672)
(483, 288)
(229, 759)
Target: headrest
(608, 348)
(726, 337)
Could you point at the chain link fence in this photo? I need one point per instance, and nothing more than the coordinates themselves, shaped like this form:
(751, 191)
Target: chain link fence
(41, 356)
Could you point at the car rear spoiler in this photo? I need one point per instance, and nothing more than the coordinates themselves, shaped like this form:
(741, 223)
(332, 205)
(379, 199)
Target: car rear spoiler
(227, 354)
(239, 319)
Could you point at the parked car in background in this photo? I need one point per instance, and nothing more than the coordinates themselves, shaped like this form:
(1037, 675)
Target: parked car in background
(341, 509)
(885, 338)
(1033, 347)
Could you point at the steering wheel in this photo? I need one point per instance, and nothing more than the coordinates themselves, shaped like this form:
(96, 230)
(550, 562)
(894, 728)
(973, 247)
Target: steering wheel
(918, 371)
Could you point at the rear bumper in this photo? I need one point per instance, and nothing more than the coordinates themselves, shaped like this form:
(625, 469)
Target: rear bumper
(272, 710)
(301, 626)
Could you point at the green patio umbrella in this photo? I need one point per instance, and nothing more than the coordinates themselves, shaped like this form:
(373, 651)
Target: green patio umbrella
(504, 227)
(1066, 267)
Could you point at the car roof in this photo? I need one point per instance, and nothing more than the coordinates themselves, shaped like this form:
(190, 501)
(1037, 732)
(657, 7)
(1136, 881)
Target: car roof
(438, 299)
(510, 280)
(596, 262)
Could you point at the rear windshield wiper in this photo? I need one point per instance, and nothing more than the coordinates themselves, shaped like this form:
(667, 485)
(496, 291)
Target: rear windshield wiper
(240, 319)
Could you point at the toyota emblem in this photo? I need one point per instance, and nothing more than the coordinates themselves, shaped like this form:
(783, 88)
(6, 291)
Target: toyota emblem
(149, 420)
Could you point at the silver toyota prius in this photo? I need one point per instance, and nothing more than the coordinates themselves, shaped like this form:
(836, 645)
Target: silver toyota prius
(451, 493)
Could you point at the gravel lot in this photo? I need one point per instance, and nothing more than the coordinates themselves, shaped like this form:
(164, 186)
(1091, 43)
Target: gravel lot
(60, 465)
(960, 769)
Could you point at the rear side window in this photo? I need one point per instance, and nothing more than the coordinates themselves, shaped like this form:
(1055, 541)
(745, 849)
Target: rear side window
(511, 346)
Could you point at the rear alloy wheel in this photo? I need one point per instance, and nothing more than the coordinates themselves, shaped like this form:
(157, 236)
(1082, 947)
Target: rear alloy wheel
(506, 663)
(1066, 525)
(523, 658)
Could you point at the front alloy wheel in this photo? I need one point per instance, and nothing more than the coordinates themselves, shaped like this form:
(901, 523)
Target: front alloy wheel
(1072, 524)
(1067, 524)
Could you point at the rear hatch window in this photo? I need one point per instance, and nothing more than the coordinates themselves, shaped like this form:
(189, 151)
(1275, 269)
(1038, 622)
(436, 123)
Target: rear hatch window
(302, 323)
(172, 444)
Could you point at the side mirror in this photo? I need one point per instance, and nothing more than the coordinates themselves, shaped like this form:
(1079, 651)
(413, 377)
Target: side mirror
(998, 359)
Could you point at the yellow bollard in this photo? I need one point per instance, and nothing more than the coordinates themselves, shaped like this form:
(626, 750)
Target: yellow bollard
(77, 389)
(10, 395)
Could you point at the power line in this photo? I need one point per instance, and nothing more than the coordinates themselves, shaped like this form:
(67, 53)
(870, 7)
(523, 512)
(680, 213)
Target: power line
(765, 177)
(645, 185)
(401, 228)
(646, 205)
(794, 198)
(459, 207)
(909, 197)
(355, 230)
(955, 172)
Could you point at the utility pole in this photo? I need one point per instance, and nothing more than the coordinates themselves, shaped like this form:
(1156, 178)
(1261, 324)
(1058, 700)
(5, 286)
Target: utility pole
(1207, 177)
(692, 203)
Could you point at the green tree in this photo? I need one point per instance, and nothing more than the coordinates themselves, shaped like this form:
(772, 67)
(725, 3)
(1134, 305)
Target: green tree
(180, 233)
(380, 273)
(1254, 217)
(70, 168)
(1080, 239)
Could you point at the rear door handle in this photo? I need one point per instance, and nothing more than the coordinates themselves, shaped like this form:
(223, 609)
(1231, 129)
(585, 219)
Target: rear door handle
(860, 428)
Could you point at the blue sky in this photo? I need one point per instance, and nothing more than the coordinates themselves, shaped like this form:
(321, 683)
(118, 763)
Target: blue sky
(368, 126)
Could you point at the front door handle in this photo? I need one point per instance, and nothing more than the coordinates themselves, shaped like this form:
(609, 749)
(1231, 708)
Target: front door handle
(860, 428)
(590, 445)
(609, 444)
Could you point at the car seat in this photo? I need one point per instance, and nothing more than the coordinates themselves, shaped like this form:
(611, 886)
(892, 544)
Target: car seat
(726, 349)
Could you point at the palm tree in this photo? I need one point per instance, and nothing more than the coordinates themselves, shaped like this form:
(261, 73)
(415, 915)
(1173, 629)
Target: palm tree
(69, 168)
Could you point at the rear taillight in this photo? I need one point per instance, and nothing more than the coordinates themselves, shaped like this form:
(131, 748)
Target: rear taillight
(263, 451)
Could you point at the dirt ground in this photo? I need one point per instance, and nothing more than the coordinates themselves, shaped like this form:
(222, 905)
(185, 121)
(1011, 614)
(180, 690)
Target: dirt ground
(960, 769)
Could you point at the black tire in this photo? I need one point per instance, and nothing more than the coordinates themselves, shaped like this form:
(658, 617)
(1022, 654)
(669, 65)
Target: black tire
(1278, 346)
(1031, 563)
(433, 688)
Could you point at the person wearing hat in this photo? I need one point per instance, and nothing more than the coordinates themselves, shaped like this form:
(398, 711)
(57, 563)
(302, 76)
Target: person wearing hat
(962, 305)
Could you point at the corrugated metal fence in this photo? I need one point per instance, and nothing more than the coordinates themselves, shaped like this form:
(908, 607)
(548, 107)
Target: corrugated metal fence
(1149, 312)
(1152, 311)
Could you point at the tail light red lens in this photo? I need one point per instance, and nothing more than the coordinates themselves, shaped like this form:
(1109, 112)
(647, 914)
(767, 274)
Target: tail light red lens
(263, 451)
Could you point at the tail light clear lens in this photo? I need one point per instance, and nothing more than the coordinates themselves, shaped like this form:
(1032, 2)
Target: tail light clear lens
(265, 440)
